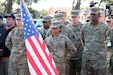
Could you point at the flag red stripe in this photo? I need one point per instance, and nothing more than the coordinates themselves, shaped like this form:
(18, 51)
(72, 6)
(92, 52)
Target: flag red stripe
(34, 65)
(43, 46)
(38, 56)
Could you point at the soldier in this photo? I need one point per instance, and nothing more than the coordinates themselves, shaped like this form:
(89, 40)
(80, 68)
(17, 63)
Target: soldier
(65, 30)
(110, 48)
(64, 21)
(76, 25)
(110, 54)
(94, 35)
(46, 25)
(16, 43)
(60, 46)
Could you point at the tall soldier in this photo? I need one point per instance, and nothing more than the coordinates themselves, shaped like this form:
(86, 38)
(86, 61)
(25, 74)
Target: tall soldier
(94, 35)
(76, 61)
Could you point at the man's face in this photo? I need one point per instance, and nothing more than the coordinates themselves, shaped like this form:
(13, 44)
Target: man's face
(63, 19)
(19, 22)
(46, 25)
(10, 21)
(74, 19)
(94, 17)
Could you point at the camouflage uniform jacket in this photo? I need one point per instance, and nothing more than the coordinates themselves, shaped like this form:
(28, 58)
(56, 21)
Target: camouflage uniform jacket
(61, 48)
(94, 38)
(110, 55)
(78, 43)
(43, 32)
(68, 32)
(15, 43)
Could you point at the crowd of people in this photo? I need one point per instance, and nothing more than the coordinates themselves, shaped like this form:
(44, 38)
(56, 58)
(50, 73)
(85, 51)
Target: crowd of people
(78, 48)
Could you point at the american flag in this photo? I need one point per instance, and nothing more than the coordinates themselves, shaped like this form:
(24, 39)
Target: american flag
(40, 61)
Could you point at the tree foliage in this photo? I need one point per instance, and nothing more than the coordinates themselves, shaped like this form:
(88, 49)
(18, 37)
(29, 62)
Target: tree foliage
(43, 13)
(6, 6)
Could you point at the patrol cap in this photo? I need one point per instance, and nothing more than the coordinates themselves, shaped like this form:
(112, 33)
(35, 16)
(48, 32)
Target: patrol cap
(95, 10)
(62, 12)
(58, 15)
(74, 12)
(10, 15)
(56, 23)
(18, 17)
(46, 18)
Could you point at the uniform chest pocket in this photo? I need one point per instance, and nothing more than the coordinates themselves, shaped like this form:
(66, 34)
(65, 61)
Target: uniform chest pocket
(100, 36)
(16, 39)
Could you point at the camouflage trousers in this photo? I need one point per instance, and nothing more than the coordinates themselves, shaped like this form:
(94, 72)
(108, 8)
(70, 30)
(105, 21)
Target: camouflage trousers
(110, 68)
(93, 66)
(75, 67)
(21, 69)
(88, 69)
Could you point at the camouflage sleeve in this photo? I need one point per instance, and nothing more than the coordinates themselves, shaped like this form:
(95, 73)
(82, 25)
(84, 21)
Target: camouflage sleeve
(8, 41)
(49, 32)
(82, 36)
(72, 37)
(71, 49)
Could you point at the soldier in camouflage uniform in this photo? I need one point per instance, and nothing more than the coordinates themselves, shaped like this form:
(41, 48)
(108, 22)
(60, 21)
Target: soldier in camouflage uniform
(61, 47)
(64, 21)
(110, 54)
(65, 30)
(18, 58)
(46, 25)
(94, 34)
(110, 47)
(76, 61)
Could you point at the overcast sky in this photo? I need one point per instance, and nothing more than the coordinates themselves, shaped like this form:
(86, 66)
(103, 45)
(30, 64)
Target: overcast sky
(52, 3)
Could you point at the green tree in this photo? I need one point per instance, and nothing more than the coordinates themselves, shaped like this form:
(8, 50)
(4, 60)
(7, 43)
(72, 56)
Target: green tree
(43, 13)
(6, 6)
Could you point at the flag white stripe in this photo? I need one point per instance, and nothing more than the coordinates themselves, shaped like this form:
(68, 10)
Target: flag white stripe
(47, 51)
(31, 68)
(35, 58)
(42, 55)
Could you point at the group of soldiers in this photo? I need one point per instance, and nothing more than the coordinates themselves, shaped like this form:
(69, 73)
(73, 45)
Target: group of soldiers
(80, 48)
